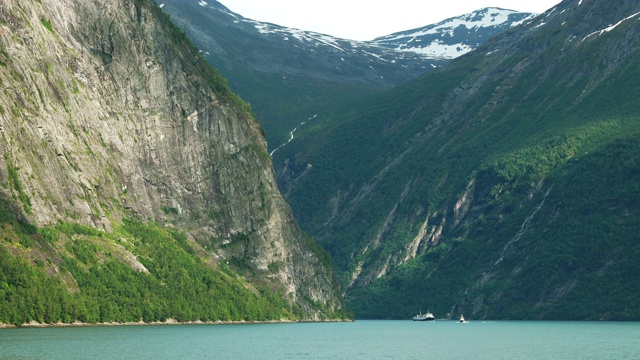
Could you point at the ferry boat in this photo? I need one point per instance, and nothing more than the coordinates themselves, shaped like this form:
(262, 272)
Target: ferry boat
(428, 316)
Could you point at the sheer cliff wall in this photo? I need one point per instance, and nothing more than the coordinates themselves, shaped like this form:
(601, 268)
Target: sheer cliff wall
(109, 112)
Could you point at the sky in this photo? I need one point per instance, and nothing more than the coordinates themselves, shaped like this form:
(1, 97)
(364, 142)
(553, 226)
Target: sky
(368, 19)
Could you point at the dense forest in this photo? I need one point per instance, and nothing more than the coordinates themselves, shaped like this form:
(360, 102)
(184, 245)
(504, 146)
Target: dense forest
(96, 282)
(503, 185)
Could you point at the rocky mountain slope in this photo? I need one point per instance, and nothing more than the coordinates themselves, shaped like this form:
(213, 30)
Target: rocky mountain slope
(289, 75)
(503, 185)
(109, 119)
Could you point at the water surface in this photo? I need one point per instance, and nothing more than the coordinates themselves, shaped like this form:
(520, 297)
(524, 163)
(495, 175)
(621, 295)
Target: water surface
(357, 340)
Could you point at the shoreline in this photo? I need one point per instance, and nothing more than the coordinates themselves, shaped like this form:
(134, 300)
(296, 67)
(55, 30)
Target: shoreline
(168, 322)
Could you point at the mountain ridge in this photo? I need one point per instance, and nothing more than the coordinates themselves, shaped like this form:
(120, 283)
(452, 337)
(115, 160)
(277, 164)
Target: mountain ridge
(443, 37)
(459, 189)
(290, 75)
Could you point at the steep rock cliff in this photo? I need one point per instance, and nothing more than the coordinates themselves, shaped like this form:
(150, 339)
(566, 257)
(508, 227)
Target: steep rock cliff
(108, 113)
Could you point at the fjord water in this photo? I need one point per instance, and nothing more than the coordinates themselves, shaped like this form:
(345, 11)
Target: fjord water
(357, 340)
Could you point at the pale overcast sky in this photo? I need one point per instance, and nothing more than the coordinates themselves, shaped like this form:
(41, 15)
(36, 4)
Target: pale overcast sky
(368, 19)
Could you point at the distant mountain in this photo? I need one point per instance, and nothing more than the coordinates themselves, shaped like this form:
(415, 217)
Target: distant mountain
(503, 185)
(456, 36)
(289, 75)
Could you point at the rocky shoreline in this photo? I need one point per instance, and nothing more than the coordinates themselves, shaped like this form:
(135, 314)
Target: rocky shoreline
(35, 324)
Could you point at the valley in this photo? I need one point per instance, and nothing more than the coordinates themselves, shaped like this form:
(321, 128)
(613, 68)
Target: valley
(457, 188)
(174, 162)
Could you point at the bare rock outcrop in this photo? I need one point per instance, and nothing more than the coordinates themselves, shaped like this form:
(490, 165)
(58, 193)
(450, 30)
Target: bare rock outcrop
(107, 111)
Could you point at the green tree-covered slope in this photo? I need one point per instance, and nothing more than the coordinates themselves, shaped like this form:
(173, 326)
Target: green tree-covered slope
(503, 185)
(140, 272)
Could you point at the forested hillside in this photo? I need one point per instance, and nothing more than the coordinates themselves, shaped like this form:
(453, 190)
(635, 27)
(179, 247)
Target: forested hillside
(504, 185)
(74, 273)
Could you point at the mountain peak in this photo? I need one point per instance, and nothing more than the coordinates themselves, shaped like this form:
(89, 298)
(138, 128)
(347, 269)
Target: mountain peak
(455, 36)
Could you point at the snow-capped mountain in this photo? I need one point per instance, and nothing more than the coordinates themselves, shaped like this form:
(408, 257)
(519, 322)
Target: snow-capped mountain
(456, 36)
(289, 75)
(414, 51)
(272, 48)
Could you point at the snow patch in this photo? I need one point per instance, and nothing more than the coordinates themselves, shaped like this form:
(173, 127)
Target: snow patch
(301, 35)
(448, 30)
(439, 50)
(374, 55)
(492, 17)
(611, 27)
(551, 12)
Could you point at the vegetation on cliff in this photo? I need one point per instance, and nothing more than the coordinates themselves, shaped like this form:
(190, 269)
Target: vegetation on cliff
(135, 185)
(94, 283)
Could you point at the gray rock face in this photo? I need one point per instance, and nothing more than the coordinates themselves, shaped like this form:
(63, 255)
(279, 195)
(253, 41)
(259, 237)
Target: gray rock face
(107, 112)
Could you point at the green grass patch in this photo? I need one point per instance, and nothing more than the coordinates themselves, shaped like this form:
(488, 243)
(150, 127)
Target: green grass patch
(47, 24)
(17, 188)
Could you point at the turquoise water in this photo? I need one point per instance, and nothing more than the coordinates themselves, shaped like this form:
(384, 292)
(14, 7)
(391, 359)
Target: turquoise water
(357, 340)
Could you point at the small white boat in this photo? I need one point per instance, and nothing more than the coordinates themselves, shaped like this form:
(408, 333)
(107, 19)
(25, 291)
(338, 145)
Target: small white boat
(462, 320)
(428, 316)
